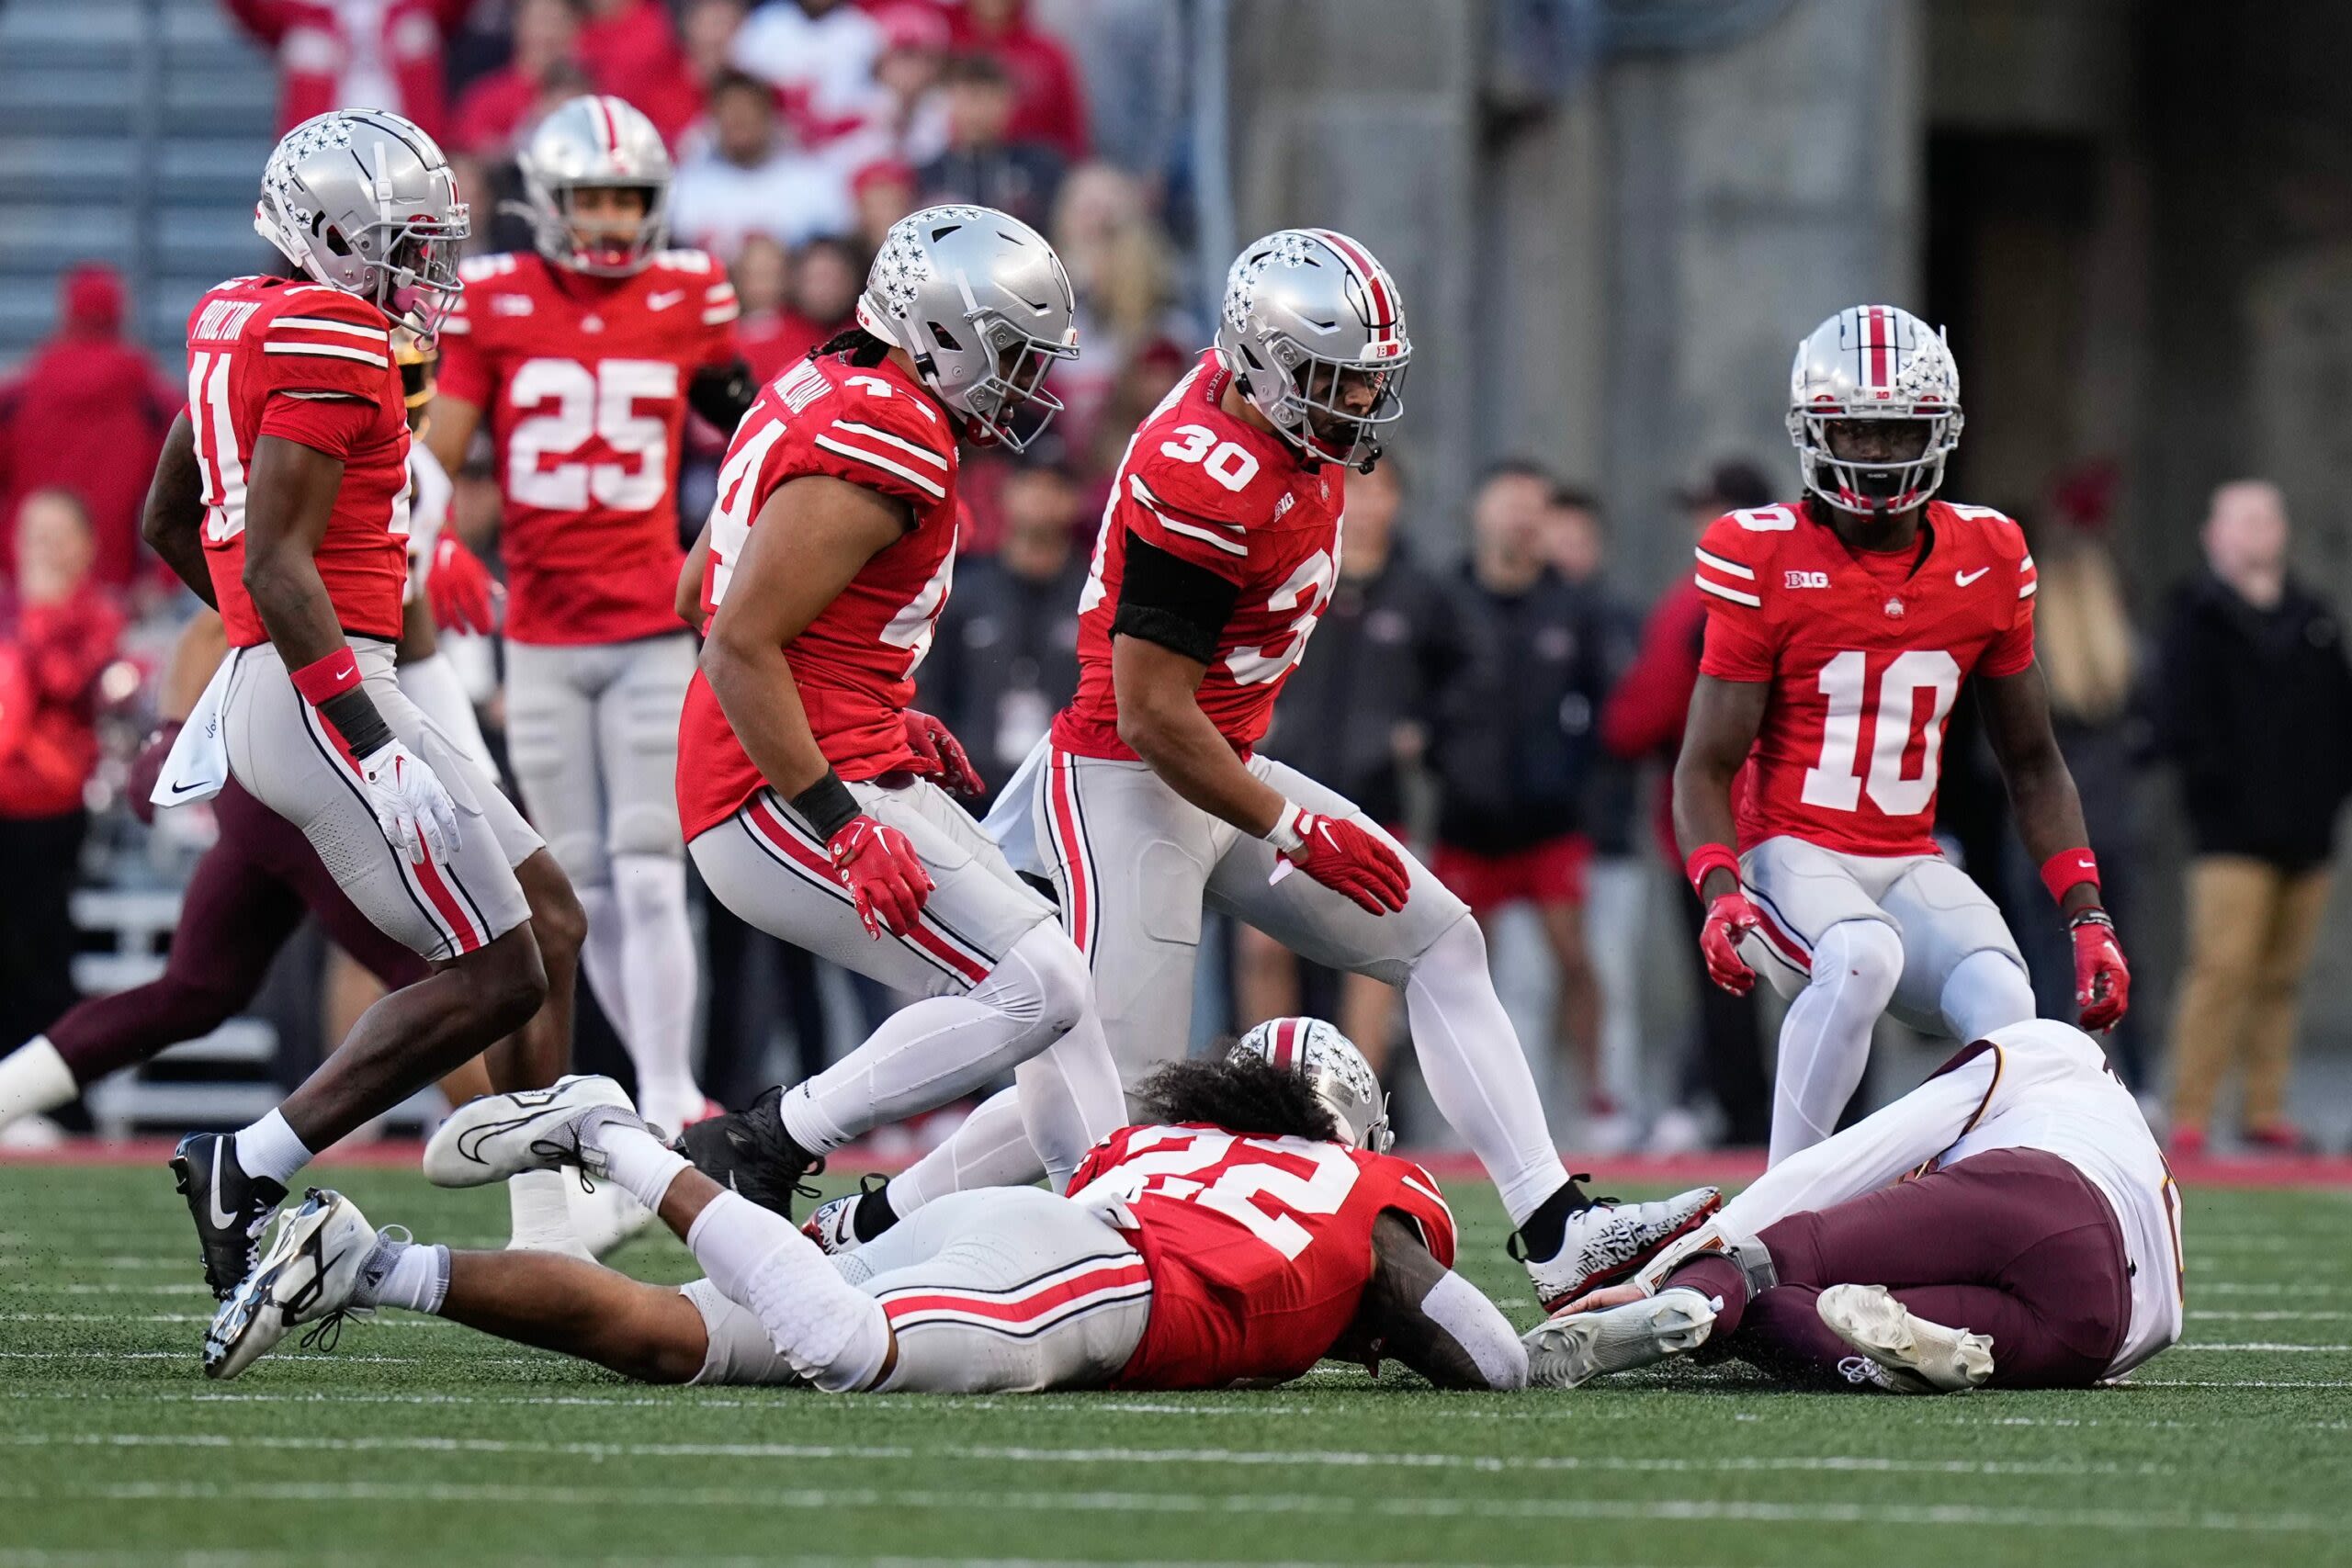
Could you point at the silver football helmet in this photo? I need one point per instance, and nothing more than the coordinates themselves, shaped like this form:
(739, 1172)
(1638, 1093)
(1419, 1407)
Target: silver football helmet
(1311, 317)
(596, 142)
(362, 200)
(1333, 1068)
(981, 304)
(1873, 362)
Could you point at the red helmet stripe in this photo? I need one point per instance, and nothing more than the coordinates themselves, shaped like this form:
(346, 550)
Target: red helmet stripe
(605, 122)
(1882, 340)
(1286, 1043)
(1359, 260)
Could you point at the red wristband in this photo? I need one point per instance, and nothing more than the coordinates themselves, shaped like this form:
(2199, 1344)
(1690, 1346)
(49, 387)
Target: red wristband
(1707, 858)
(2067, 869)
(330, 677)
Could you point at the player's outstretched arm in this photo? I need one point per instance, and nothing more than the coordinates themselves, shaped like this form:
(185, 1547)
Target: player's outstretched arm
(2049, 813)
(652, 1333)
(1418, 1311)
(172, 521)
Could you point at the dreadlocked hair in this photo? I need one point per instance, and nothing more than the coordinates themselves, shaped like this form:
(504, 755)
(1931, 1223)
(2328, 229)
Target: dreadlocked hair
(1239, 1094)
(865, 350)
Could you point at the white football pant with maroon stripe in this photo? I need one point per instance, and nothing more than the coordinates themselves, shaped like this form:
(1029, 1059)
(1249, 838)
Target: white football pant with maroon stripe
(291, 761)
(1005, 1290)
(1003, 989)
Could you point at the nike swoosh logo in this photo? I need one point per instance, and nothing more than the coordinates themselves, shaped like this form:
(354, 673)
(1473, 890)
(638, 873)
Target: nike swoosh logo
(663, 301)
(219, 1216)
(1965, 578)
(182, 789)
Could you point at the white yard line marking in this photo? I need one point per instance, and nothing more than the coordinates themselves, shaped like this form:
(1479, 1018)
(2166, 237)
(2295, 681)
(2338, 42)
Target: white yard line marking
(2275, 1316)
(269, 1559)
(987, 1453)
(836, 1500)
(2266, 1346)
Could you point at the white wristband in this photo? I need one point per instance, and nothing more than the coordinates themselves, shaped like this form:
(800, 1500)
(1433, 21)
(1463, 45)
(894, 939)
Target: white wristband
(1284, 834)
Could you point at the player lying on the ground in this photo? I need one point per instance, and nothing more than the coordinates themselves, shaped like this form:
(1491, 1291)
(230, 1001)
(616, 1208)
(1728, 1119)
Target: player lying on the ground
(2009, 1223)
(1839, 629)
(1147, 803)
(1255, 1229)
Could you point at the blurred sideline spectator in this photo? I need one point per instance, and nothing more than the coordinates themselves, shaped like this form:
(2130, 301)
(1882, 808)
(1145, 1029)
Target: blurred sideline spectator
(57, 635)
(707, 30)
(752, 180)
(1132, 57)
(355, 54)
(1123, 271)
(983, 162)
(907, 116)
(493, 112)
(2255, 707)
(1514, 752)
(1643, 720)
(87, 413)
(1007, 647)
(1048, 106)
(1148, 375)
(819, 53)
(1356, 714)
(796, 303)
(630, 48)
(883, 192)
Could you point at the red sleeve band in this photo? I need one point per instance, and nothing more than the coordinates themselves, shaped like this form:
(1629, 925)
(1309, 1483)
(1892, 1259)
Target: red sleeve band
(2067, 869)
(330, 677)
(1708, 858)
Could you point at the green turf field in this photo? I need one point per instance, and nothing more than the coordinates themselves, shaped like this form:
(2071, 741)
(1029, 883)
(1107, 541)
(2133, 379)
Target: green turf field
(418, 1443)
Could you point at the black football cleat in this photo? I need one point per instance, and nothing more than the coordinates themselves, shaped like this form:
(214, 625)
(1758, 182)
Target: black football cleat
(748, 1152)
(231, 1210)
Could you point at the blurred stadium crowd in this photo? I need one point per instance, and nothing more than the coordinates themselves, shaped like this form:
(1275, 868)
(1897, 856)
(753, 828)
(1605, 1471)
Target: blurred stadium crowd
(1487, 686)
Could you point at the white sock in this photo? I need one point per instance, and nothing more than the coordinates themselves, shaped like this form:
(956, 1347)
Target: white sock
(1070, 1099)
(34, 1079)
(1985, 991)
(269, 1148)
(403, 1274)
(600, 955)
(658, 970)
(936, 1050)
(991, 1149)
(539, 1211)
(1825, 1039)
(832, 1333)
(1478, 1075)
(640, 1162)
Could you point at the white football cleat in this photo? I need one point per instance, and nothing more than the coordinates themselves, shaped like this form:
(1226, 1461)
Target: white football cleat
(306, 1276)
(498, 1135)
(604, 1214)
(1907, 1353)
(1565, 1352)
(833, 1226)
(1608, 1241)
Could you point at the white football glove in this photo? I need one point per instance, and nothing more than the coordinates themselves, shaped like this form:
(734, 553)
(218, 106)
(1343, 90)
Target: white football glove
(412, 807)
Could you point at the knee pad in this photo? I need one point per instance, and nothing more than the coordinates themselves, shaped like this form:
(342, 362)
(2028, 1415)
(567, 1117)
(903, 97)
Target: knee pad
(1985, 991)
(1867, 953)
(1041, 981)
(648, 888)
(1460, 945)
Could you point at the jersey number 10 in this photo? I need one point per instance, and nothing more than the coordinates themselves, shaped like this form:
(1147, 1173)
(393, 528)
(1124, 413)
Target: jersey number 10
(1835, 783)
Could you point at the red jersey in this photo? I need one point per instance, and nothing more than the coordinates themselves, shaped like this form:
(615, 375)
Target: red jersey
(1865, 651)
(583, 380)
(1202, 485)
(270, 356)
(854, 664)
(1258, 1249)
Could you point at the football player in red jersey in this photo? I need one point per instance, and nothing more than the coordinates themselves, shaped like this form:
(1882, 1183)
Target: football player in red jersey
(810, 795)
(1839, 629)
(1255, 1226)
(1218, 552)
(297, 425)
(584, 357)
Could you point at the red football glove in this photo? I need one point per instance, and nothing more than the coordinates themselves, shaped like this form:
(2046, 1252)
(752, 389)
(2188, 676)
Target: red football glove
(1729, 919)
(938, 755)
(463, 595)
(1344, 858)
(147, 767)
(877, 864)
(2102, 980)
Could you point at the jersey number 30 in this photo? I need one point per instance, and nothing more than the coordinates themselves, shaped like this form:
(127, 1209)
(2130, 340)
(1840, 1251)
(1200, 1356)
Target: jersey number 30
(1837, 782)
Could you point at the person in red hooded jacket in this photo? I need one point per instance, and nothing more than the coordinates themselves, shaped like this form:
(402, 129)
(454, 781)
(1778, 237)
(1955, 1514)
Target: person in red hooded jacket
(341, 53)
(55, 639)
(86, 413)
(1049, 105)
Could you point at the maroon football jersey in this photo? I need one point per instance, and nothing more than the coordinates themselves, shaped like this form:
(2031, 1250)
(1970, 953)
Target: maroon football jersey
(1201, 484)
(854, 664)
(1865, 651)
(1258, 1249)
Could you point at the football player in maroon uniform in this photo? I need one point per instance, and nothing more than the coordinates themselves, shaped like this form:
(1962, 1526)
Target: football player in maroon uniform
(1839, 629)
(1254, 1227)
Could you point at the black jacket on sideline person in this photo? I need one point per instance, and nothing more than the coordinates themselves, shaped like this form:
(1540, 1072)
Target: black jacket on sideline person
(1368, 683)
(1517, 739)
(1004, 661)
(2255, 706)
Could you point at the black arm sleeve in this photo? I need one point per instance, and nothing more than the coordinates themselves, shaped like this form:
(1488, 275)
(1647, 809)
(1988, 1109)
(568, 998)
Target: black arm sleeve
(723, 394)
(1167, 600)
